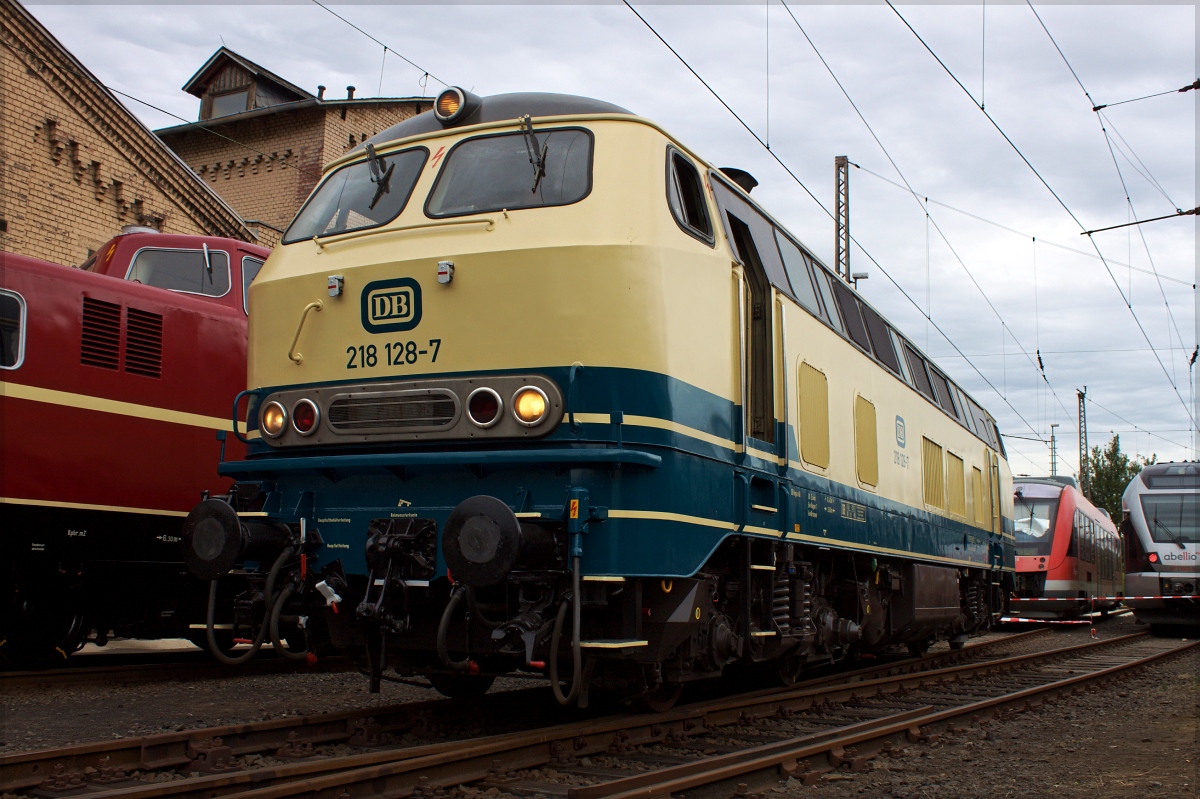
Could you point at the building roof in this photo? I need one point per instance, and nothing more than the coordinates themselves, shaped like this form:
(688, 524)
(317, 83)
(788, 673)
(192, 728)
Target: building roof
(310, 102)
(198, 83)
(37, 48)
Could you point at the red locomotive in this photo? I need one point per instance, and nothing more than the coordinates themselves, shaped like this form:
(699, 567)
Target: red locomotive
(1068, 551)
(116, 376)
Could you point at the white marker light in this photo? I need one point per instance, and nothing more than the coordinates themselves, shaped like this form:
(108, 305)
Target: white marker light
(445, 271)
(337, 284)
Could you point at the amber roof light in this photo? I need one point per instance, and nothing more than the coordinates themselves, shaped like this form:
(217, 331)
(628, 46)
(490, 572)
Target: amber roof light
(454, 105)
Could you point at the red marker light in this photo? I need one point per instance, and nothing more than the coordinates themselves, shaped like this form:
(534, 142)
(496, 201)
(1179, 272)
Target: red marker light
(1153, 557)
(305, 416)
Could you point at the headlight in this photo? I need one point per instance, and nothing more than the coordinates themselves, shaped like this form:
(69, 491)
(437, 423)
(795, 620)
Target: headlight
(484, 406)
(273, 419)
(529, 405)
(305, 416)
(448, 103)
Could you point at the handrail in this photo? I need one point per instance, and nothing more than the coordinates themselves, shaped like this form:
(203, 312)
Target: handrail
(557, 455)
(296, 357)
(337, 238)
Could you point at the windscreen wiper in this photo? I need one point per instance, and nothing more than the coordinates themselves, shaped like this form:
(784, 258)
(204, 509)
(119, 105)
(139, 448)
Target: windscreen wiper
(1175, 538)
(381, 178)
(537, 157)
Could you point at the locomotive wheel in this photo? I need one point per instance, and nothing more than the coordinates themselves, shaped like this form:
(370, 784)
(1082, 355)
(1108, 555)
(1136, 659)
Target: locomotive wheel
(662, 698)
(461, 686)
(43, 626)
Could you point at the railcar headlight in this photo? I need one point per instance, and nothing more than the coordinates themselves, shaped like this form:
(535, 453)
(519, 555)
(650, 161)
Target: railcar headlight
(484, 406)
(305, 415)
(273, 419)
(529, 405)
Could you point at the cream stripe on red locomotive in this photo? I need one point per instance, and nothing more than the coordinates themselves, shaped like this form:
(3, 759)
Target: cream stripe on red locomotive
(88, 402)
(47, 503)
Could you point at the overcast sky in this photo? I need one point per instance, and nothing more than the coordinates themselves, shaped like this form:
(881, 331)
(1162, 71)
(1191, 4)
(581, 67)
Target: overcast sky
(759, 61)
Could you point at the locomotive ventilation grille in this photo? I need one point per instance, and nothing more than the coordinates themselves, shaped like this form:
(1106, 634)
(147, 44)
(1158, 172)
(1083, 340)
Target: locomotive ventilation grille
(143, 343)
(101, 334)
(400, 411)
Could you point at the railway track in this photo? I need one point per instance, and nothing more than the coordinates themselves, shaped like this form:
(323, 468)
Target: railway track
(174, 666)
(214, 750)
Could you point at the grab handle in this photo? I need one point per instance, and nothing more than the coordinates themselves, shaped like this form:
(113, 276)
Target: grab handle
(296, 357)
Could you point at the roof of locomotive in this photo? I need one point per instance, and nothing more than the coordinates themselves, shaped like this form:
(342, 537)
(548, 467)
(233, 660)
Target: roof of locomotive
(500, 107)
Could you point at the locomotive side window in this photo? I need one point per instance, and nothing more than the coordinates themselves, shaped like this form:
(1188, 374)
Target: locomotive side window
(188, 271)
(851, 315)
(797, 265)
(353, 199)
(685, 195)
(916, 365)
(762, 233)
(881, 341)
(493, 173)
(814, 416)
(824, 281)
(933, 475)
(250, 267)
(943, 392)
(12, 329)
(866, 448)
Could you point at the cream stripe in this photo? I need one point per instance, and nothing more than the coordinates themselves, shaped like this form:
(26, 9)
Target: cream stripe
(658, 424)
(670, 517)
(826, 542)
(90, 403)
(82, 506)
(762, 531)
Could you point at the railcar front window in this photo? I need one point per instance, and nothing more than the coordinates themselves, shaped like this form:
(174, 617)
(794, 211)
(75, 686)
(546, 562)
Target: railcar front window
(189, 271)
(494, 173)
(350, 199)
(1173, 518)
(1034, 526)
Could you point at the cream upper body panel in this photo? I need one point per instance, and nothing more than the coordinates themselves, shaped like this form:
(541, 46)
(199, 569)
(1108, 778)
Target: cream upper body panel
(609, 280)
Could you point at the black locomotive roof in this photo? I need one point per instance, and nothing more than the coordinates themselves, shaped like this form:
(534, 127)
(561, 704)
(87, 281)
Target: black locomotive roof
(500, 107)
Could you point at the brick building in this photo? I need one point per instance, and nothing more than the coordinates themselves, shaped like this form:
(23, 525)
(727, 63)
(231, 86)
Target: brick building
(261, 141)
(75, 165)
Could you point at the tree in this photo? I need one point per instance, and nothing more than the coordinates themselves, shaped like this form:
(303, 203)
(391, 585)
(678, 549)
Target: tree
(1111, 472)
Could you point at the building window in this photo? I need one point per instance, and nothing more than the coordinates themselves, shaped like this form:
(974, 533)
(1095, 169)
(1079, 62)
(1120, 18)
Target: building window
(866, 448)
(814, 416)
(12, 329)
(189, 271)
(232, 103)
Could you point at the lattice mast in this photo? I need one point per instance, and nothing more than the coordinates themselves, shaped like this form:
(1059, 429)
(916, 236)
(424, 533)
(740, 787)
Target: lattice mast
(841, 217)
(1085, 470)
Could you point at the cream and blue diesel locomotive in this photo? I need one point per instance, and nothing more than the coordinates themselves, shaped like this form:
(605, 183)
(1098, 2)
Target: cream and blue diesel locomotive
(535, 387)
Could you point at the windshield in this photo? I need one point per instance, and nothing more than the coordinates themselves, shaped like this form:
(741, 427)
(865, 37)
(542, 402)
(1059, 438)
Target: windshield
(1178, 517)
(350, 199)
(493, 173)
(1033, 523)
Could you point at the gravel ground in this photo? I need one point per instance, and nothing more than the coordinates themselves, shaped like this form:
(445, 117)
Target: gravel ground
(1139, 739)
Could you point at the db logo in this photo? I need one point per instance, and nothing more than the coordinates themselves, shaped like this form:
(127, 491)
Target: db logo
(391, 305)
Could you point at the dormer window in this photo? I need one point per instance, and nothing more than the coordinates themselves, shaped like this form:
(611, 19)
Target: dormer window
(229, 103)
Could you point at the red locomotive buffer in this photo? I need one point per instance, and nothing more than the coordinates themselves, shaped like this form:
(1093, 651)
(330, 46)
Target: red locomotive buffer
(1068, 551)
(116, 377)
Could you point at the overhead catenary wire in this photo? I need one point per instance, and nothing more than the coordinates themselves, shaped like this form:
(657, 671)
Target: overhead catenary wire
(1188, 88)
(385, 47)
(1061, 202)
(829, 213)
(928, 217)
(1004, 227)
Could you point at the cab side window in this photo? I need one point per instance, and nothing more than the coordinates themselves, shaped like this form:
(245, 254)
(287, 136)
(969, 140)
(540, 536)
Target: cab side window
(685, 195)
(190, 271)
(12, 329)
(250, 267)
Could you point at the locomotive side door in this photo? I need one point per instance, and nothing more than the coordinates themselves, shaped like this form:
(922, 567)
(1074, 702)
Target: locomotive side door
(751, 236)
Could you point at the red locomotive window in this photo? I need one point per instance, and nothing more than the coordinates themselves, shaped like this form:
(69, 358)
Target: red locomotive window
(250, 267)
(190, 271)
(12, 329)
